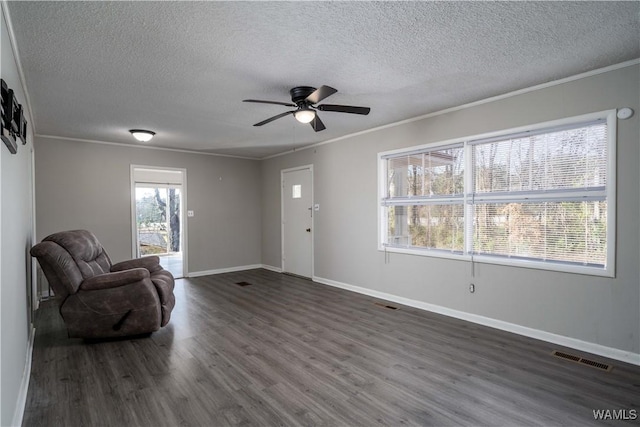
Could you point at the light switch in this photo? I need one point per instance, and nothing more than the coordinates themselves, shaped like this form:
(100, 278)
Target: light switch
(316, 207)
(189, 213)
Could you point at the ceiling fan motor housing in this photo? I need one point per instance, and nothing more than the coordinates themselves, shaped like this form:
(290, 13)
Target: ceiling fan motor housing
(300, 93)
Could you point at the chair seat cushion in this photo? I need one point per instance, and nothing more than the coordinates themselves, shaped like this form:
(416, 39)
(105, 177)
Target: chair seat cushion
(151, 263)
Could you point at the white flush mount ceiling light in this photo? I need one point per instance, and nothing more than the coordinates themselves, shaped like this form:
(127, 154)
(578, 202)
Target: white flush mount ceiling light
(304, 115)
(142, 135)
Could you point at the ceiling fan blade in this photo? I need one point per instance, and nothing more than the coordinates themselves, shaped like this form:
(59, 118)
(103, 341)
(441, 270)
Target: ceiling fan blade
(286, 104)
(319, 94)
(270, 119)
(344, 109)
(317, 124)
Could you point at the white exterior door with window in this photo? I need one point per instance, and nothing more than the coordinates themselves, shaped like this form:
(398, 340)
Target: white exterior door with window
(297, 232)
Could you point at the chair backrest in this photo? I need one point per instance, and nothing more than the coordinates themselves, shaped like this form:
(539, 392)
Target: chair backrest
(69, 257)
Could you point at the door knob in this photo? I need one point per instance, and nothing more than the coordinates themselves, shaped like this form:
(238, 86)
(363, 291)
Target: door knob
(308, 230)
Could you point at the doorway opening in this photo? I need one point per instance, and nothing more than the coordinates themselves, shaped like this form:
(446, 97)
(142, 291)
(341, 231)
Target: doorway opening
(158, 220)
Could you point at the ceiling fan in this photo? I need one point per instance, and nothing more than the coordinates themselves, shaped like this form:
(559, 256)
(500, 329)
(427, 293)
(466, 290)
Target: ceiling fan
(305, 98)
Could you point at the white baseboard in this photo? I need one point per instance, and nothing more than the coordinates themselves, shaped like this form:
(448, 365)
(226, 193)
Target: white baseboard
(21, 403)
(234, 269)
(612, 353)
(272, 268)
(224, 270)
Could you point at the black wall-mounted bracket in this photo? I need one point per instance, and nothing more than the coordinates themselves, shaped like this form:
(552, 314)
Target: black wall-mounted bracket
(13, 125)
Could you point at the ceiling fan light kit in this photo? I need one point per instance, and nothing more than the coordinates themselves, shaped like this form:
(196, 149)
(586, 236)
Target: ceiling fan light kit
(305, 98)
(304, 115)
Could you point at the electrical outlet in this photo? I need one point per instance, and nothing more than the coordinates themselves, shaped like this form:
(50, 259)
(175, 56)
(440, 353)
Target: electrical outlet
(190, 214)
(472, 288)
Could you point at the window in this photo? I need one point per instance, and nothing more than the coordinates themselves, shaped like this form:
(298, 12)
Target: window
(425, 199)
(296, 191)
(540, 197)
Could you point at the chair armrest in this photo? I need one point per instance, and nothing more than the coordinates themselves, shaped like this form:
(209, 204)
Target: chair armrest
(151, 263)
(114, 280)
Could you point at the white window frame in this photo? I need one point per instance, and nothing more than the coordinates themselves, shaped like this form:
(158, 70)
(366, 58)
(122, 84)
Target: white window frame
(608, 271)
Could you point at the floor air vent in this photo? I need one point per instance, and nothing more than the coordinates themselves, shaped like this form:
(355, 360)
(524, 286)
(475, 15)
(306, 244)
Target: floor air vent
(578, 359)
(390, 307)
(243, 283)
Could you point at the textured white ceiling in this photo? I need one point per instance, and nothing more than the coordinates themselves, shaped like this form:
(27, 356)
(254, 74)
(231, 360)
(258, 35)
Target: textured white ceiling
(94, 70)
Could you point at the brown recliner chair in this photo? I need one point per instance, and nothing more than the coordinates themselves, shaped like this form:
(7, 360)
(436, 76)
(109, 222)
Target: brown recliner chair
(101, 300)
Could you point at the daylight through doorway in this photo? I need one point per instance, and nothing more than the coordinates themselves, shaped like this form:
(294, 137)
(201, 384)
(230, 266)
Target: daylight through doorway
(159, 224)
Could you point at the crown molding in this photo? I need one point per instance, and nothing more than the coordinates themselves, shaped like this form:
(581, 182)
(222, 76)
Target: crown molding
(143, 147)
(469, 105)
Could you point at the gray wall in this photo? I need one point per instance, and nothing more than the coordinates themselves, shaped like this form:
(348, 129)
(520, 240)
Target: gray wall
(597, 310)
(87, 185)
(237, 219)
(16, 237)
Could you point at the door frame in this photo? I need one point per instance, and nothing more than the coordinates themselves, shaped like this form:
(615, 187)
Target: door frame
(35, 295)
(183, 213)
(313, 230)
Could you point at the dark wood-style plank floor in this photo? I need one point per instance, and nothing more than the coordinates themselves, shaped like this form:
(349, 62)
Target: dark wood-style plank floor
(287, 351)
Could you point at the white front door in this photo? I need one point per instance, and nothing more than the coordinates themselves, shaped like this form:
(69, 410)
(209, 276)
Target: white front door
(297, 200)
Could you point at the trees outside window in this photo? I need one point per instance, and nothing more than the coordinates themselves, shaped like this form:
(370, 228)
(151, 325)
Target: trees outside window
(154, 206)
(541, 195)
